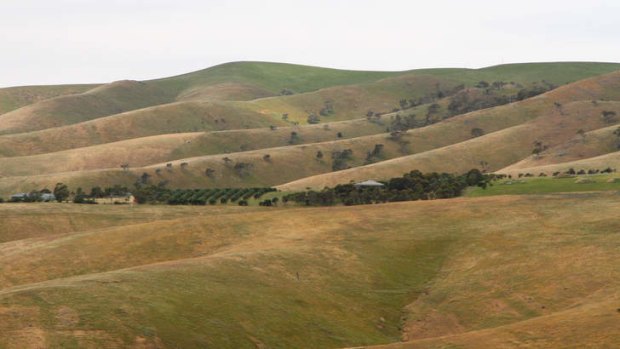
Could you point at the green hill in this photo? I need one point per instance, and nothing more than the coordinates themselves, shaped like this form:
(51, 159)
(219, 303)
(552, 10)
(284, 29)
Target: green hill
(12, 98)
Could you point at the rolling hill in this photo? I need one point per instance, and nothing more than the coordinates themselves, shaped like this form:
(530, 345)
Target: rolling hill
(436, 273)
(248, 110)
(482, 271)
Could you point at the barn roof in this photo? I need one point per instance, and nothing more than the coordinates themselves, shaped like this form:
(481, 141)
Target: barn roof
(369, 183)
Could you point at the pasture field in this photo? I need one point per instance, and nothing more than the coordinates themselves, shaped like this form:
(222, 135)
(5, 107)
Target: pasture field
(502, 271)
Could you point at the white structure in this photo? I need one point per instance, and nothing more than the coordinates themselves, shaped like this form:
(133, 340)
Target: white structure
(369, 184)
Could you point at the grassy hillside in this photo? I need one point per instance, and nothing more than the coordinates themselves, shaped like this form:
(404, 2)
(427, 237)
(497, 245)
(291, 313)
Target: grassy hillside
(581, 146)
(559, 73)
(299, 160)
(552, 118)
(318, 278)
(271, 77)
(180, 117)
(544, 185)
(509, 134)
(12, 98)
(595, 163)
(145, 151)
(105, 100)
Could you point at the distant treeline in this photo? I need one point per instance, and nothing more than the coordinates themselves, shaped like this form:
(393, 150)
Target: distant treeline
(414, 185)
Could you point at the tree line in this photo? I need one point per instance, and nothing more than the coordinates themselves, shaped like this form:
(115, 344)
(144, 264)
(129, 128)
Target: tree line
(414, 185)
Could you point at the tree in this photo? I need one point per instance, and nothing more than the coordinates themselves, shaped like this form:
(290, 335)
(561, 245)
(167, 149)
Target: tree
(477, 132)
(376, 153)
(144, 178)
(617, 134)
(403, 103)
(539, 147)
(328, 108)
(432, 110)
(340, 159)
(242, 169)
(319, 155)
(313, 119)
(61, 192)
(209, 172)
(482, 84)
(79, 196)
(339, 134)
(294, 138)
(96, 192)
(267, 157)
(609, 116)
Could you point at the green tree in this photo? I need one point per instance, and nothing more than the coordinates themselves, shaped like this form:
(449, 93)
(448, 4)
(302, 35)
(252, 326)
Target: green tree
(61, 192)
(96, 192)
(313, 119)
(477, 132)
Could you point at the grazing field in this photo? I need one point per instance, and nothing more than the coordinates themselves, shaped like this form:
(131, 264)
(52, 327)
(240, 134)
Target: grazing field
(436, 273)
(543, 185)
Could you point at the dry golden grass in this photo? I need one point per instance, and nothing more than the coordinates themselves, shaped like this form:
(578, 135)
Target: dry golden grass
(151, 150)
(511, 131)
(439, 273)
(540, 121)
(582, 146)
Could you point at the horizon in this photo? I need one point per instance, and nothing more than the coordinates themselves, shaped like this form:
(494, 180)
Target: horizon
(77, 42)
(314, 66)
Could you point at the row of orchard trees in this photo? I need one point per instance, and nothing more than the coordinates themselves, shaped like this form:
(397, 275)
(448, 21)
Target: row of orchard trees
(160, 194)
(414, 185)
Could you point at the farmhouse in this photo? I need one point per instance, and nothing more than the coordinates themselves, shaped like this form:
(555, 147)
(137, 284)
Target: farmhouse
(369, 184)
(47, 197)
(19, 197)
(127, 199)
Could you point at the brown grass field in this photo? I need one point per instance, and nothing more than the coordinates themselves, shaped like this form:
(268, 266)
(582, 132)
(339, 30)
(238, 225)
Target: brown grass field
(445, 273)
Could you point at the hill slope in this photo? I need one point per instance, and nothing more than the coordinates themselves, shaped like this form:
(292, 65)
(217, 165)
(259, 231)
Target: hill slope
(12, 98)
(321, 277)
(83, 138)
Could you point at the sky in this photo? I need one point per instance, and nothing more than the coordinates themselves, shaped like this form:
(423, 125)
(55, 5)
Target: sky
(88, 41)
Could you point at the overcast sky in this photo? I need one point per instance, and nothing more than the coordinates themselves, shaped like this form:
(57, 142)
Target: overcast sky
(73, 41)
